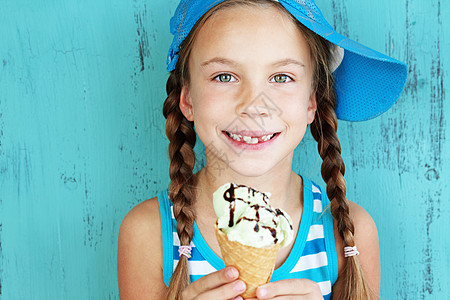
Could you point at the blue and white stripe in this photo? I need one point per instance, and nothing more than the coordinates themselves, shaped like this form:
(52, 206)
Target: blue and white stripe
(313, 264)
(313, 255)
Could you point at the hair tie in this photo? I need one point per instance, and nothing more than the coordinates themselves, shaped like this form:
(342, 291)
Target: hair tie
(350, 251)
(185, 250)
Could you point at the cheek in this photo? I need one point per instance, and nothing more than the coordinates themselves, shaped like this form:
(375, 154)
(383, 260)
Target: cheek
(295, 105)
(296, 116)
(209, 110)
(207, 102)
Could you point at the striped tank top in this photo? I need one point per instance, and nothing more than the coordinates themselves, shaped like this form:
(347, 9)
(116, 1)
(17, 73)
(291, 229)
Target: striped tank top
(313, 255)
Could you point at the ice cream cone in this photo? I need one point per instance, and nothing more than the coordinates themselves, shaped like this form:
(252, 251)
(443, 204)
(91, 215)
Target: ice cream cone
(255, 265)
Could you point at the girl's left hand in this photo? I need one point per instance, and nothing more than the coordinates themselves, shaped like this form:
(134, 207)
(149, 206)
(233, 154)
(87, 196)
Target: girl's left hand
(289, 289)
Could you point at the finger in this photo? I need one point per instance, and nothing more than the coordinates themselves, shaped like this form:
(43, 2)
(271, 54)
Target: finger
(288, 287)
(211, 281)
(230, 290)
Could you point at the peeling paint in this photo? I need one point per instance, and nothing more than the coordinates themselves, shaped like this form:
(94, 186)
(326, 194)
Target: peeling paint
(1, 253)
(142, 37)
(411, 61)
(2, 126)
(437, 95)
(3, 169)
(340, 19)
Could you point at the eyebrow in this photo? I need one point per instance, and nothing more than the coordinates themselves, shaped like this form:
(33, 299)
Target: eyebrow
(218, 60)
(225, 61)
(288, 61)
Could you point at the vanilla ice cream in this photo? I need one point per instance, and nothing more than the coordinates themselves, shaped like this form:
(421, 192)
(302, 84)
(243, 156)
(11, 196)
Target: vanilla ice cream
(245, 216)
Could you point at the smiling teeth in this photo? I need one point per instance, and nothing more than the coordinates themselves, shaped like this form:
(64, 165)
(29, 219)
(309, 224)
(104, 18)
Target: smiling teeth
(235, 137)
(249, 139)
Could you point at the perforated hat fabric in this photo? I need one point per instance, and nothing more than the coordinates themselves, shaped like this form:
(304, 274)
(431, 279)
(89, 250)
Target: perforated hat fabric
(367, 82)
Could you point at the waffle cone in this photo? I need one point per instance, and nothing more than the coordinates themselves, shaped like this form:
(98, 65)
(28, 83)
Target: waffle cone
(255, 265)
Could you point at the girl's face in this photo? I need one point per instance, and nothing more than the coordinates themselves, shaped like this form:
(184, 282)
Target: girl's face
(250, 92)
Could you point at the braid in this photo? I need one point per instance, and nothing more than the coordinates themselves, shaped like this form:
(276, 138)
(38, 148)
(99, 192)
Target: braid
(181, 135)
(323, 129)
(333, 168)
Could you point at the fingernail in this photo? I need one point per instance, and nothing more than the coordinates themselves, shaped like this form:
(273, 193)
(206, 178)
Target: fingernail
(238, 298)
(262, 292)
(231, 273)
(239, 286)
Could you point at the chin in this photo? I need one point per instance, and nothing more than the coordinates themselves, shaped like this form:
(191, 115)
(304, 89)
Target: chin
(249, 169)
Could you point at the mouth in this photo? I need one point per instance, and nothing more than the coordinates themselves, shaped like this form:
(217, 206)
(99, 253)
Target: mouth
(251, 139)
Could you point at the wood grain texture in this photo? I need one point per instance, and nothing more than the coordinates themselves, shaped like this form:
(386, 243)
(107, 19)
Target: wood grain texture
(82, 140)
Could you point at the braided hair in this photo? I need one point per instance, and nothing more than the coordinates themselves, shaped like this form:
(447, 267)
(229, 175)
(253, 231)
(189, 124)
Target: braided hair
(182, 137)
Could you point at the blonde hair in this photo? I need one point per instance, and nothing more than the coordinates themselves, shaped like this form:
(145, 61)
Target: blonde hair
(181, 135)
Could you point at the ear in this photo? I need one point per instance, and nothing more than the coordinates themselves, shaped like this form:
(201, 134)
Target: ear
(312, 108)
(186, 103)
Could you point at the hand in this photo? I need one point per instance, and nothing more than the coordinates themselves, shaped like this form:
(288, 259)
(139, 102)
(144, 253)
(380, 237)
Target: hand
(289, 289)
(220, 285)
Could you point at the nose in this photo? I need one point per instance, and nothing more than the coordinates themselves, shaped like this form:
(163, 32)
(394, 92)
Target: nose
(252, 102)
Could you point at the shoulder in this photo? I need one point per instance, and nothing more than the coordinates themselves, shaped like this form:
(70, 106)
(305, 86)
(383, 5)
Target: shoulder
(363, 222)
(366, 237)
(143, 218)
(366, 241)
(140, 259)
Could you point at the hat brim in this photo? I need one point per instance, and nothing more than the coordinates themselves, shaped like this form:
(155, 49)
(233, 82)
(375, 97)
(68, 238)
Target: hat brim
(367, 82)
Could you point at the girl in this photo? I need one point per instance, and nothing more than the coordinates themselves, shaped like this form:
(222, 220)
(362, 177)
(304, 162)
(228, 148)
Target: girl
(251, 75)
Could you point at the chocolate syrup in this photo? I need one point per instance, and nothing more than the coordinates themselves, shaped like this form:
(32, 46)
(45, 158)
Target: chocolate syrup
(229, 196)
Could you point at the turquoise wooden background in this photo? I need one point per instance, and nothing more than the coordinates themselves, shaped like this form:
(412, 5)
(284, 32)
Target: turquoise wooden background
(82, 140)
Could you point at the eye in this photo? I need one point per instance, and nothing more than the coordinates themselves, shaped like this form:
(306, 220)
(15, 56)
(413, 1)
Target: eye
(225, 78)
(281, 78)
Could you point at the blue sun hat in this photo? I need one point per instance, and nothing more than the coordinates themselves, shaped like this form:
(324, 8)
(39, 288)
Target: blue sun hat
(367, 82)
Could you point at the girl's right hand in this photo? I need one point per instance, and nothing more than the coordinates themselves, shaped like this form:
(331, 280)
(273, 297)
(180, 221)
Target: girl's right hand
(223, 284)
